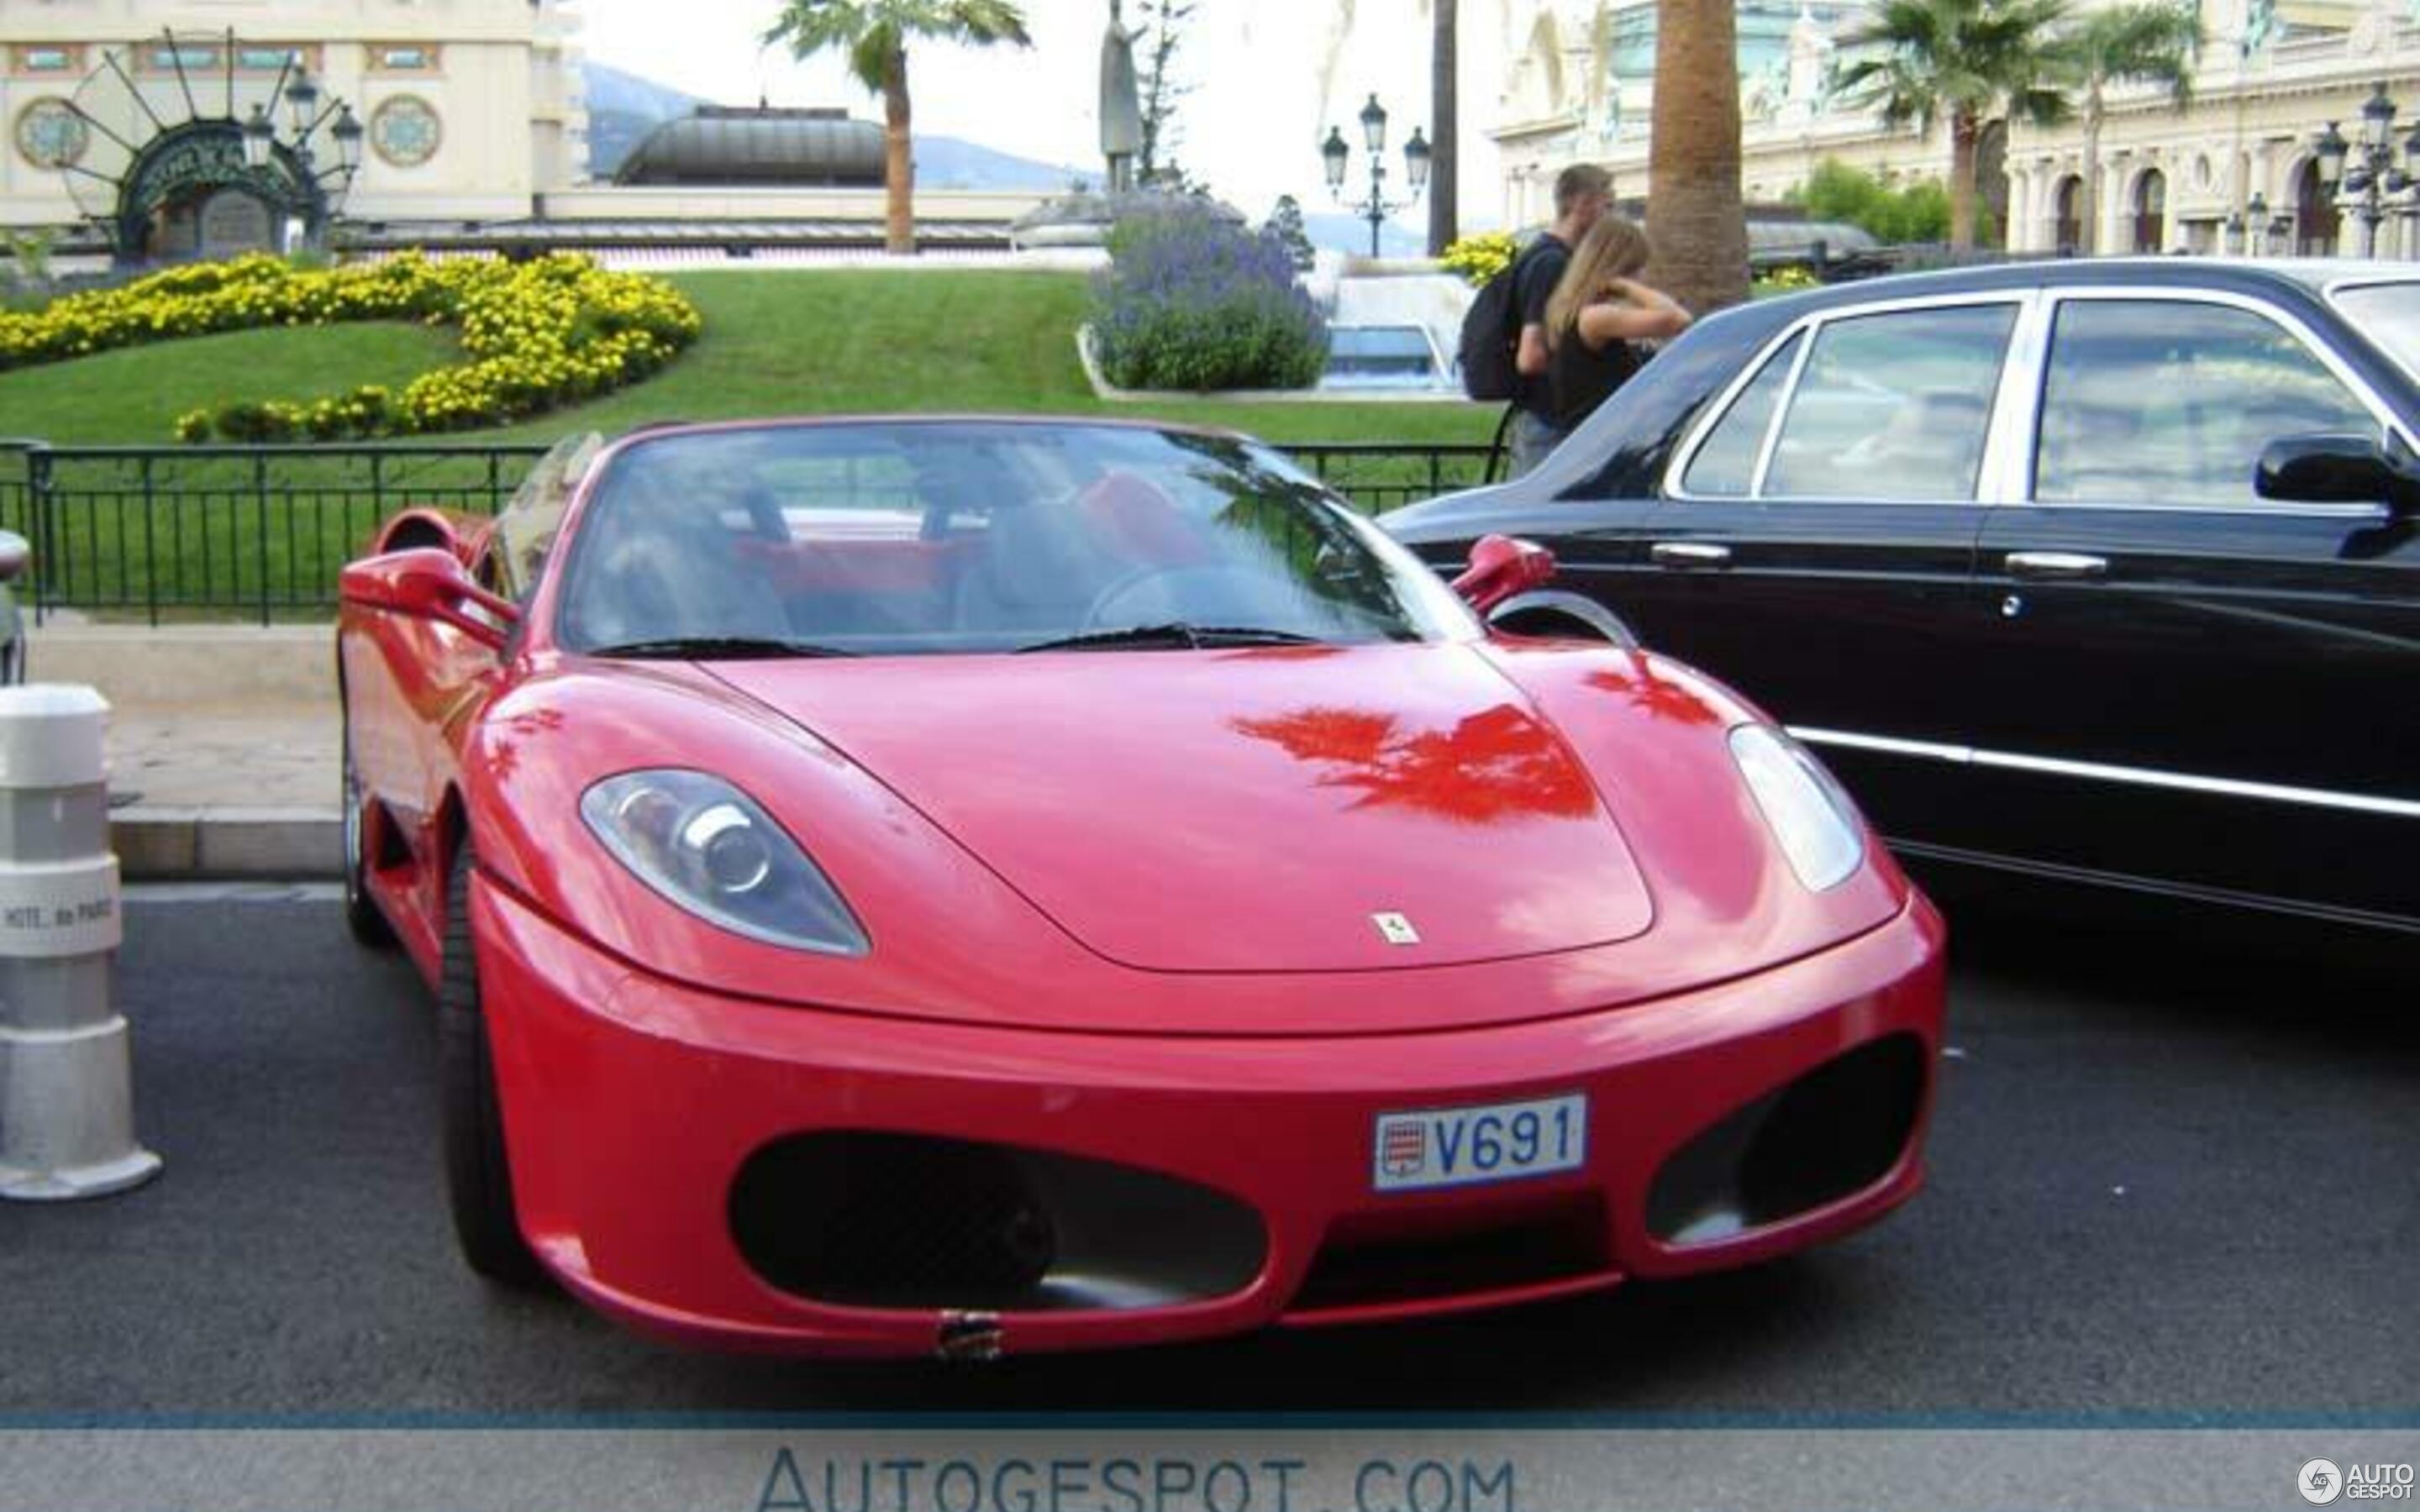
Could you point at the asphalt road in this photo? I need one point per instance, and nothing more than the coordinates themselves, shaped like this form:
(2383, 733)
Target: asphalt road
(2169, 1176)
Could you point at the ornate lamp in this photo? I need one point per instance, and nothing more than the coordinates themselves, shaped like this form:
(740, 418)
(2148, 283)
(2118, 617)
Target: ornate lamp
(257, 134)
(1373, 125)
(2330, 148)
(348, 132)
(1335, 155)
(301, 95)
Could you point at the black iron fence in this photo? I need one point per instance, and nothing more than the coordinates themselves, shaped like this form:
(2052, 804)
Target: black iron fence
(209, 532)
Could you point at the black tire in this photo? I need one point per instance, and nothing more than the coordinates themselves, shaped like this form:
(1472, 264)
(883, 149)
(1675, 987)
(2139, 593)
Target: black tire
(367, 924)
(478, 1177)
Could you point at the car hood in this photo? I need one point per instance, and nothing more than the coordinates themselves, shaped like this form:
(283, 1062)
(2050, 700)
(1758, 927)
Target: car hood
(1276, 809)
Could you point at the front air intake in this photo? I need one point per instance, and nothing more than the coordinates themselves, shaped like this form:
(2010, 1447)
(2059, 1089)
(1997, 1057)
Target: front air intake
(872, 1219)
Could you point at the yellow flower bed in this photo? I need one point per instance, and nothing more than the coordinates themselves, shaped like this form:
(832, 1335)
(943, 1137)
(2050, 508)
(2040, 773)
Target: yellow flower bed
(535, 334)
(1480, 257)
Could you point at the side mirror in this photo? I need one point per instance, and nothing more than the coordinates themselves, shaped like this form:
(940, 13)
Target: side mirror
(428, 583)
(1500, 567)
(2335, 469)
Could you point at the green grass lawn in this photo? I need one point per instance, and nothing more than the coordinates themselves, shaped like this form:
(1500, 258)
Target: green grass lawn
(155, 536)
(135, 395)
(775, 342)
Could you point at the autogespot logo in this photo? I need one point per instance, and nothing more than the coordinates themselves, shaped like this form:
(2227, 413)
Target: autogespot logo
(2321, 1482)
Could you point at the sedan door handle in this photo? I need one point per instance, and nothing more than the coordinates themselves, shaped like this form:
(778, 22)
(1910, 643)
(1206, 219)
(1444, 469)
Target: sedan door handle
(2056, 565)
(1689, 554)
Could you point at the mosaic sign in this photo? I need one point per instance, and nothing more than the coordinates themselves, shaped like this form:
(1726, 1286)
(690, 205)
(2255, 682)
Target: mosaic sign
(50, 135)
(405, 131)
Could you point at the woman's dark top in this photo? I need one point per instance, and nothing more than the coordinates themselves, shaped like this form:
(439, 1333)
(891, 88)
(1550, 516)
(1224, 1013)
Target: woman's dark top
(1580, 379)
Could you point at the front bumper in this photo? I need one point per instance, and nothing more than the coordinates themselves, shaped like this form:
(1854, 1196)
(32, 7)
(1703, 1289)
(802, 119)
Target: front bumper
(632, 1105)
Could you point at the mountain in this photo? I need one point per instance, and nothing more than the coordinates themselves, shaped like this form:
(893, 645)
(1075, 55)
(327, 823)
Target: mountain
(1348, 233)
(623, 107)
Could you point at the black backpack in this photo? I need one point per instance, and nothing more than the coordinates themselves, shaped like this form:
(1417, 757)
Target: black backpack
(1491, 332)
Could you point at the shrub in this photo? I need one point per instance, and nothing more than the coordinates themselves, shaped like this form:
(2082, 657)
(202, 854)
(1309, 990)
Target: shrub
(534, 334)
(1836, 191)
(1193, 302)
(1480, 257)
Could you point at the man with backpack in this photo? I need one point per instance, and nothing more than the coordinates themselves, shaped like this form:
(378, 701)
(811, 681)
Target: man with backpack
(1504, 339)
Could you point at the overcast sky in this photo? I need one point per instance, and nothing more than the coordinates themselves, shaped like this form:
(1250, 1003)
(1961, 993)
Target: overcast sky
(1251, 126)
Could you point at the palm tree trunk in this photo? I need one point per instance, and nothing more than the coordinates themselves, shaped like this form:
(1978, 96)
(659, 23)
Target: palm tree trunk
(2088, 237)
(1965, 134)
(1694, 213)
(898, 159)
(1445, 131)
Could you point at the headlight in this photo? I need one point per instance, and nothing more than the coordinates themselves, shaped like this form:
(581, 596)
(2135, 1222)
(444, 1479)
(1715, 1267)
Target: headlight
(1817, 825)
(704, 845)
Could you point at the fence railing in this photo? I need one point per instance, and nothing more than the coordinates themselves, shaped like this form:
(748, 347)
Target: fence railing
(260, 532)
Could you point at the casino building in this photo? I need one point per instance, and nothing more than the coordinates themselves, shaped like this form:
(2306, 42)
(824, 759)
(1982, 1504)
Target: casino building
(156, 129)
(132, 114)
(2235, 169)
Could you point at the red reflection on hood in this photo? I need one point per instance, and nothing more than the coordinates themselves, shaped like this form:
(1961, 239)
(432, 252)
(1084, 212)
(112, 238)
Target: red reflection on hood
(1498, 763)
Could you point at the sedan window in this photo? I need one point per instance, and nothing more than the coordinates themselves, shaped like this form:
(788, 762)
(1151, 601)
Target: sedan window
(2389, 316)
(2172, 402)
(1725, 466)
(1894, 407)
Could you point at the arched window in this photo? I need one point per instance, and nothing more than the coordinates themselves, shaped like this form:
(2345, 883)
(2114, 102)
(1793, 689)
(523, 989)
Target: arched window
(2070, 203)
(2315, 215)
(2151, 211)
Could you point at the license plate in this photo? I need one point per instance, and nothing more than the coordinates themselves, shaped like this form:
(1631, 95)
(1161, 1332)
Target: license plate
(1487, 1142)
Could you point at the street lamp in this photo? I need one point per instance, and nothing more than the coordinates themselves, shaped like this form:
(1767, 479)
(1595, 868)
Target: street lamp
(257, 134)
(301, 95)
(348, 132)
(1335, 158)
(2363, 177)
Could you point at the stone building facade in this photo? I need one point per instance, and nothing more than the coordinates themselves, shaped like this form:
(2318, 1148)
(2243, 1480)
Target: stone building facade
(470, 110)
(2269, 79)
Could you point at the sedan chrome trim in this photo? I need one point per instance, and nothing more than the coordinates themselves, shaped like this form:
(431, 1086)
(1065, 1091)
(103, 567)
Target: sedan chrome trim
(2056, 565)
(1686, 554)
(2228, 787)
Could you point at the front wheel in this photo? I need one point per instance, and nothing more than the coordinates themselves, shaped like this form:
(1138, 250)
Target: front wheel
(478, 1177)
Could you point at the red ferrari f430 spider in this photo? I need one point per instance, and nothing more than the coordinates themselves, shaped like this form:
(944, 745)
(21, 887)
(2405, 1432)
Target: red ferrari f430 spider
(899, 886)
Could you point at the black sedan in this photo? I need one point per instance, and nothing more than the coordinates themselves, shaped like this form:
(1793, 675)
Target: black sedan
(2101, 571)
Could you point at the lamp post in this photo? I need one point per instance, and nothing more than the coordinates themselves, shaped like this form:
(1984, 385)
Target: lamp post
(2363, 177)
(298, 152)
(1336, 156)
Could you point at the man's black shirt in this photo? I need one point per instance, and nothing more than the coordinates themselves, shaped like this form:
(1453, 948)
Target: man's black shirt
(1541, 267)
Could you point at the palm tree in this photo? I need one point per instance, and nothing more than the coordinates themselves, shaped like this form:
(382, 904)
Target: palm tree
(2130, 43)
(1695, 216)
(875, 34)
(1968, 60)
(1444, 133)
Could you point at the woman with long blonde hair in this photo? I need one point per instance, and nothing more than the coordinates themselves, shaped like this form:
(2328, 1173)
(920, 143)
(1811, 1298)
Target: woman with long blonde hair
(1598, 309)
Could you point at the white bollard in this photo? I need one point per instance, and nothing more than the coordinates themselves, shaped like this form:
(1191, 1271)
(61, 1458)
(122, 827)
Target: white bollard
(66, 1104)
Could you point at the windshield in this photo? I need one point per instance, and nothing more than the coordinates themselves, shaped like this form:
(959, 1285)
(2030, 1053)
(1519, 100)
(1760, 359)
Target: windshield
(2389, 316)
(906, 537)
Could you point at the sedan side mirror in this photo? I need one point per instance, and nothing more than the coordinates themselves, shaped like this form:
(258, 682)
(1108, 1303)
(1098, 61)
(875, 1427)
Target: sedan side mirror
(1500, 567)
(2335, 469)
(428, 583)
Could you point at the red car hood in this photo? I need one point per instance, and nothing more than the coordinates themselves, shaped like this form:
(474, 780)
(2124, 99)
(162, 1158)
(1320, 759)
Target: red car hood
(1245, 810)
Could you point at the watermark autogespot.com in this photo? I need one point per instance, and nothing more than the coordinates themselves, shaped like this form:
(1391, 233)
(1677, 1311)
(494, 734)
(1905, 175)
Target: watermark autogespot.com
(2324, 1481)
(1176, 1483)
